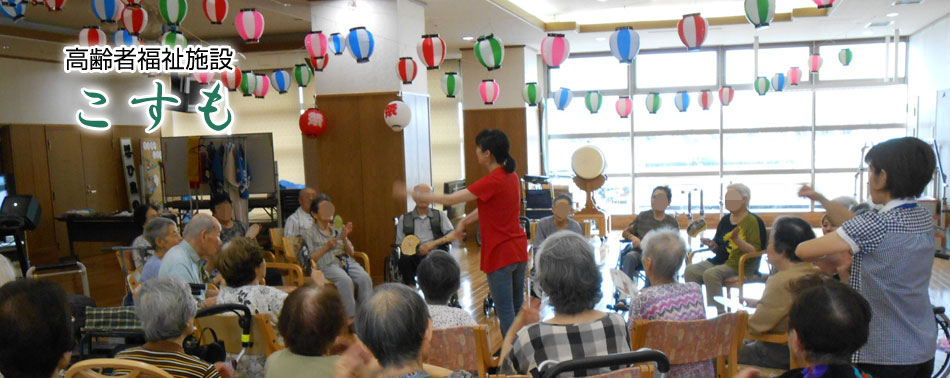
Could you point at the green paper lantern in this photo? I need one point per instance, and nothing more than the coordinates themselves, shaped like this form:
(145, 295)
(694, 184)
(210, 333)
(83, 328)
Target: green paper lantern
(173, 11)
(490, 52)
(302, 75)
(593, 100)
(531, 94)
(761, 85)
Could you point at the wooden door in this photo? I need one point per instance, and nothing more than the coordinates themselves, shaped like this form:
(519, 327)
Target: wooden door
(104, 173)
(66, 174)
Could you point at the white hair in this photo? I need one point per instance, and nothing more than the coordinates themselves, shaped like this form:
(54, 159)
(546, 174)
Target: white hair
(666, 249)
(165, 306)
(743, 191)
(7, 273)
(198, 224)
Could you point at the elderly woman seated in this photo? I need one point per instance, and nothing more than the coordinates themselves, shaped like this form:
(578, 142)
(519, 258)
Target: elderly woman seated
(241, 263)
(310, 320)
(666, 299)
(771, 312)
(560, 221)
(36, 333)
(439, 277)
(161, 234)
(569, 276)
(166, 309)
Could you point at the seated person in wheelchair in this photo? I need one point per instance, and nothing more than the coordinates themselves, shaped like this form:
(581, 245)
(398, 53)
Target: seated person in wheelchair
(560, 221)
(332, 253)
(439, 277)
(771, 312)
(431, 226)
(647, 221)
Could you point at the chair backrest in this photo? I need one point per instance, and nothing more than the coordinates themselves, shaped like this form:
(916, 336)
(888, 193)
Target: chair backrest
(136, 369)
(126, 262)
(693, 341)
(131, 283)
(228, 330)
(461, 348)
(277, 239)
(291, 246)
(292, 272)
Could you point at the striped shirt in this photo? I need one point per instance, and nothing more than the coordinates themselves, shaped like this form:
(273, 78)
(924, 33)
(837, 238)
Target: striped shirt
(176, 363)
(542, 342)
(893, 259)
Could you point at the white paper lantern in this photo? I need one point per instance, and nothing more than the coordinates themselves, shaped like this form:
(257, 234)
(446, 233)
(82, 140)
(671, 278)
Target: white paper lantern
(397, 115)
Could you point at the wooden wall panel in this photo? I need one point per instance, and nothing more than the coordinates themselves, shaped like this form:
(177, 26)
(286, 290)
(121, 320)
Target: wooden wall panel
(512, 121)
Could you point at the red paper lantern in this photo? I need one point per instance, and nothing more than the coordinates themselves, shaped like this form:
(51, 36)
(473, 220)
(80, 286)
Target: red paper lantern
(216, 10)
(231, 79)
(431, 51)
(313, 123)
(316, 44)
(54, 5)
(134, 19)
(705, 99)
(92, 36)
(318, 64)
(692, 30)
(406, 69)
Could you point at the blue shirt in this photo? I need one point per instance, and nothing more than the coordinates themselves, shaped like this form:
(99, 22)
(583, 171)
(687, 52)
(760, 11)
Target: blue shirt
(182, 261)
(151, 268)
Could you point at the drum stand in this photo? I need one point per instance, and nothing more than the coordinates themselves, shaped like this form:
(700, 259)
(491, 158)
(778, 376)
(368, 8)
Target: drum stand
(590, 210)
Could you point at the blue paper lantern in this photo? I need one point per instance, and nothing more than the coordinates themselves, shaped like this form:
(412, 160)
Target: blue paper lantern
(361, 44)
(281, 81)
(107, 11)
(682, 101)
(562, 98)
(337, 43)
(14, 12)
(122, 37)
(778, 82)
(625, 44)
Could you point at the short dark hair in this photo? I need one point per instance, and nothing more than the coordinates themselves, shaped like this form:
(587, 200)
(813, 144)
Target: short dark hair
(238, 260)
(568, 273)
(563, 196)
(138, 215)
(909, 163)
(35, 328)
(310, 320)
(439, 277)
(315, 205)
(788, 232)
(392, 324)
(842, 326)
(669, 192)
(496, 142)
(217, 200)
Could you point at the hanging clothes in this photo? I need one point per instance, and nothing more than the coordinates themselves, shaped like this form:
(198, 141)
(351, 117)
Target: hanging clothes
(243, 173)
(209, 169)
(217, 168)
(194, 162)
(238, 203)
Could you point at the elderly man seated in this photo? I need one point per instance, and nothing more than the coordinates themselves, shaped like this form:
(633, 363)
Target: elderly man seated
(192, 260)
(431, 226)
(167, 312)
(36, 330)
(301, 219)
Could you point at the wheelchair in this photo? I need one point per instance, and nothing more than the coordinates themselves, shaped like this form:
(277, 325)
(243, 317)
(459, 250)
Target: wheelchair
(392, 273)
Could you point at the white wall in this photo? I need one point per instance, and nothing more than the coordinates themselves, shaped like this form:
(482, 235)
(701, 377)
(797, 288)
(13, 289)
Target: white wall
(928, 73)
(446, 130)
(510, 78)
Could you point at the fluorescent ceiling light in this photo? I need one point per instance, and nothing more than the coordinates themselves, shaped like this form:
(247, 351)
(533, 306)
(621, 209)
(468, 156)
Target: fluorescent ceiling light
(893, 14)
(467, 38)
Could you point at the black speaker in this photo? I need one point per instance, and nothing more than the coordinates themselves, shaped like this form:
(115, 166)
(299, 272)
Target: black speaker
(26, 207)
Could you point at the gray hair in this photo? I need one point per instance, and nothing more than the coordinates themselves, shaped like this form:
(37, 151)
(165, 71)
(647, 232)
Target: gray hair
(666, 249)
(392, 324)
(743, 191)
(157, 228)
(198, 224)
(165, 306)
(7, 273)
(568, 273)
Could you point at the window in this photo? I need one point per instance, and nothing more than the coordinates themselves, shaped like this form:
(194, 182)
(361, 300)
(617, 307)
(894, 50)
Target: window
(616, 153)
(870, 61)
(773, 192)
(760, 151)
(686, 191)
(861, 106)
(576, 119)
(587, 73)
(669, 118)
(834, 185)
(677, 153)
(614, 196)
(843, 148)
(740, 64)
(684, 69)
(776, 109)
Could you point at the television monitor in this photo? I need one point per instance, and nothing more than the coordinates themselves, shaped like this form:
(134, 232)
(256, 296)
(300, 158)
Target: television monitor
(188, 90)
(6, 186)
(458, 209)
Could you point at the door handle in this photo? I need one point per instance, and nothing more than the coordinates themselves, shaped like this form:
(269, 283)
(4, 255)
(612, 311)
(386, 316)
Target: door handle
(91, 191)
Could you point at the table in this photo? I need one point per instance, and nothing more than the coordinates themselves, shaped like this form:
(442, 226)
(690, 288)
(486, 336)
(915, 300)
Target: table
(602, 220)
(99, 228)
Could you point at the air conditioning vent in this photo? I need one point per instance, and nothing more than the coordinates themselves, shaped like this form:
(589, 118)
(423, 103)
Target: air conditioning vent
(879, 24)
(906, 2)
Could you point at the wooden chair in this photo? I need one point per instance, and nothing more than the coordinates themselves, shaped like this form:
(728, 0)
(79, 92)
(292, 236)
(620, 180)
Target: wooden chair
(127, 264)
(227, 329)
(291, 246)
(739, 281)
(775, 339)
(277, 240)
(131, 283)
(695, 341)
(292, 273)
(462, 348)
(93, 369)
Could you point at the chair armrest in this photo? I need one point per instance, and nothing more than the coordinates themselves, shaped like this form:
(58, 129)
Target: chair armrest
(742, 261)
(482, 347)
(293, 270)
(691, 254)
(269, 257)
(363, 259)
(769, 338)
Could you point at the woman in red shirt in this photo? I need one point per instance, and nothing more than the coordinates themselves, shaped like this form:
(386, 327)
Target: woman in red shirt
(504, 243)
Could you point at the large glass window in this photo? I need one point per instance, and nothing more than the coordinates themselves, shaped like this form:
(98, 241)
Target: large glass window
(586, 73)
(861, 106)
(869, 61)
(766, 151)
(677, 153)
(616, 154)
(576, 119)
(776, 109)
(773, 192)
(681, 69)
(669, 118)
(740, 64)
(845, 148)
(686, 193)
(614, 197)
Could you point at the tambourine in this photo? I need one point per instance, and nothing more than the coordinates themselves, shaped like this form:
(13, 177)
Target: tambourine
(409, 245)
(696, 227)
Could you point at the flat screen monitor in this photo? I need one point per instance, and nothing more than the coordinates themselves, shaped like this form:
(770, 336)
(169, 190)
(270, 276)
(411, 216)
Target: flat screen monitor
(458, 209)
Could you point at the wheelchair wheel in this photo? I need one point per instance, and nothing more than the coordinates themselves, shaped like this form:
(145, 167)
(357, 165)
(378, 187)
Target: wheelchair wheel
(943, 343)
(392, 273)
(488, 305)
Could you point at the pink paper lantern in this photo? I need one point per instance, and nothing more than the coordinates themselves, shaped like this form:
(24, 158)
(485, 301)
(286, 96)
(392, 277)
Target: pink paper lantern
(250, 25)
(814, 63)
(263, 85)
(488, 90)
(203, 77)
(624, 106)
(794, 76)
(726, 94)
(316, 44)
(555, 49)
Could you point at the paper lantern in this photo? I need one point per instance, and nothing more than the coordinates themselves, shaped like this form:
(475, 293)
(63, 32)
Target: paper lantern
(845, 56)
(317, 65)
(431, 51)
(361, 44)
(250, 25)
(316, 44)
(624, 106)
(248, 83)
(822, 4)
(725, 95)
(397, 115)
(555, 49)
(451, 84)
(653, 102)
(173, 11)
(337, 43)
(705, 99)
(122, 37)
(488, 90)
(406, 69)
(313, 123)
(531, 94)
(174, 38)
(35, 2)
(302, 75)
(281, 81)
(55, 5)
(692, 30)
(107, 11)
(681, 100)
(562, 98)
(134, 19)
(593, 100)
(761, 85)
(794, 75)
(92, 36)
(133, 2)
(262, 87)
(760, 12)
(625, 44)
(232, 79)
(778, 82)
(490, 52)
(215, 10)
(814, 63)
(203, 77)
(14, 12)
